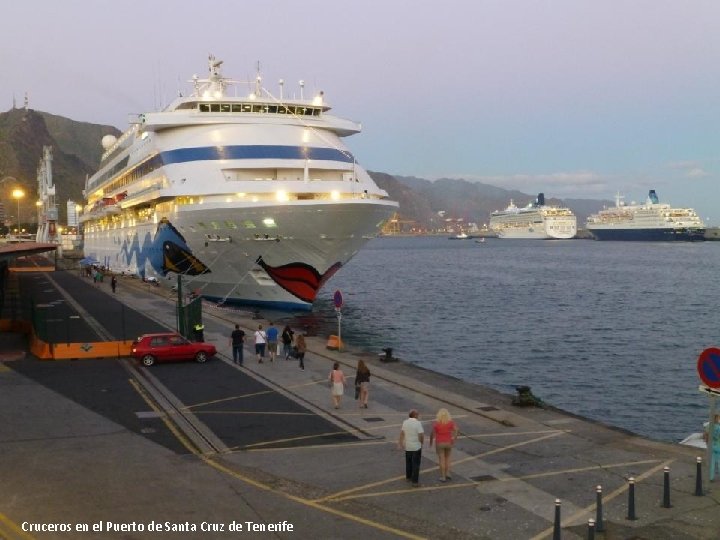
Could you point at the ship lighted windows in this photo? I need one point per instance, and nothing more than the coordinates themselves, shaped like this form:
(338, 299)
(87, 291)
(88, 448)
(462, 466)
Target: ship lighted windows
(269, 223)
(258, 108)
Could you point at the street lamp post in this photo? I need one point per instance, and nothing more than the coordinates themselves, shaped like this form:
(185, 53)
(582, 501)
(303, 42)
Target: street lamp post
(18, 194)
(5, 179)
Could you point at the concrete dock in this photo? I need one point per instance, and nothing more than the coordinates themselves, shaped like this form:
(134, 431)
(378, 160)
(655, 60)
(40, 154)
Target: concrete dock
(213, 451)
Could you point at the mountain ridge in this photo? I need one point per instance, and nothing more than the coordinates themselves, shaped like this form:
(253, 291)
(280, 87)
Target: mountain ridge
(77, 151)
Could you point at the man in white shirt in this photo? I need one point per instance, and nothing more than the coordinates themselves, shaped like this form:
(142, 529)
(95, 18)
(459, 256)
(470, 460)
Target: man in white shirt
(411, 440)
(260, 339)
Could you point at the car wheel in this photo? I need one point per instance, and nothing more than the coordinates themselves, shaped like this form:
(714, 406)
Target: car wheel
(148, 360)
(201, 356)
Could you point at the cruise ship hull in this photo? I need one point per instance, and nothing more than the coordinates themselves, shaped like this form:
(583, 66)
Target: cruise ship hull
(237, 255)
(530, 233)
(534, 222)
(648, 222)
(548, 229)
(249, 199)
(649, 235)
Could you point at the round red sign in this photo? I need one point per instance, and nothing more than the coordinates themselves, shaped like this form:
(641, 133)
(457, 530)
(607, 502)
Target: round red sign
(708, 367)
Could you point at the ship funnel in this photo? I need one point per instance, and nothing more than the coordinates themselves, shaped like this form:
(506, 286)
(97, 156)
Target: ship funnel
(540, 201)
(653, 197)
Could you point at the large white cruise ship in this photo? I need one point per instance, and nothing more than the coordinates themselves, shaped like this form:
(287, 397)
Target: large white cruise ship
(253, 199)
(536, 221)
(651, 221)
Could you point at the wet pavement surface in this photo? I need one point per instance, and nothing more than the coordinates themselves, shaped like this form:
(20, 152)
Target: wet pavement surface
(200, 447)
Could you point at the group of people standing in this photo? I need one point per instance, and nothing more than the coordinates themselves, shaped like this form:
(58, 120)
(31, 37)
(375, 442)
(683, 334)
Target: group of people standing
(444, 431)
(267, 341)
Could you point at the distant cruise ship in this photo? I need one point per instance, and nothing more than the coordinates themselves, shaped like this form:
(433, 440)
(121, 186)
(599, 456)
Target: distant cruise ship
(536, 221)
(252, 198)
(651, 221)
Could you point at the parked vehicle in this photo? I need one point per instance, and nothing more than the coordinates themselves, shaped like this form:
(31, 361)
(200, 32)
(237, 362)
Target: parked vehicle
(169, 346)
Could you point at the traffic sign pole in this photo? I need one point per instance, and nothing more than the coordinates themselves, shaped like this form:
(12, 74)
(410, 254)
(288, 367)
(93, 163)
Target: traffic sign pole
(338, 301)
(339, 318)
(708, 367)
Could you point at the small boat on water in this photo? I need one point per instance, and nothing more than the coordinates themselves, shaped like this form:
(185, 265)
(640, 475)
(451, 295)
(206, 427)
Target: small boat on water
(696, 440)
(460, 236)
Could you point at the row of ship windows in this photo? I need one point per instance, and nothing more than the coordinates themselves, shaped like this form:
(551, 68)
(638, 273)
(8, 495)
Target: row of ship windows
(255, 108)
(146, 216)
(137, 172)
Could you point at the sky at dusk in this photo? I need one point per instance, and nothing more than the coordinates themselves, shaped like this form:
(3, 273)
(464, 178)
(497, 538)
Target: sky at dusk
(575, 99)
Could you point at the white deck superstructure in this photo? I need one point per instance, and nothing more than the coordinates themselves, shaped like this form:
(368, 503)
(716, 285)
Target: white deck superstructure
(253, 199)
(536, 221)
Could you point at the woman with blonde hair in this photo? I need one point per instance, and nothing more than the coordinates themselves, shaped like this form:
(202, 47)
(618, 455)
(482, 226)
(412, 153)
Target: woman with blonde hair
(444, 433)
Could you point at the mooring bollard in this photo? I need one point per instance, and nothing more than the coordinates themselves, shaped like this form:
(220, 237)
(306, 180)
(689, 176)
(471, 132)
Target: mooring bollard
(631, 499)
(698, 478)
(599, 527)
(556, 525)
(591, 529)
(666, 488)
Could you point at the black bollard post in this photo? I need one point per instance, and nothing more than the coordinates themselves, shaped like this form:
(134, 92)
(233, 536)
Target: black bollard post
(631, 499)
(666, 489)
(698, 478)
(599, 527)
(556, 525)
(591, 529)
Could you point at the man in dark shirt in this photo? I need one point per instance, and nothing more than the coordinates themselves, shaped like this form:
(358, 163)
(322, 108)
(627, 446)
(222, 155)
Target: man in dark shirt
(237, 338)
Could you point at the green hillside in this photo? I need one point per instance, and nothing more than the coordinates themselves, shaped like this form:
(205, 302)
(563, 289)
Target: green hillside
(76, 154)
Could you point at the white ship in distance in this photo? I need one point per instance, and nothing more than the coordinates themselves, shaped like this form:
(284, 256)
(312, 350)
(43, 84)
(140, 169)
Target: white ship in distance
(251, 198)
(651, 221)
(536, 221)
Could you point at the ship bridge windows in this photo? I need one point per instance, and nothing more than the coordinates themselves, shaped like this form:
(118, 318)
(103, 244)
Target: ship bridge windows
(295, 110)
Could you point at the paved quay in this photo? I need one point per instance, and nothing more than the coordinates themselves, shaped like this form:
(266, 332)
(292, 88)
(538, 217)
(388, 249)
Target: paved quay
(197, 451)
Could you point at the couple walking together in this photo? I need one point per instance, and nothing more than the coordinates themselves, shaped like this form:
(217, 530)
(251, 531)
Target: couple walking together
(412, 436)
(338, 381)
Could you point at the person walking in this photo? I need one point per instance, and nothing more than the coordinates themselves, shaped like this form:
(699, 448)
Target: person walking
(362, 383)
(712, 440)
(444, 433)
(237, 338)
(287, 339)
(301, 348)
(260, 340)
(272, 341)
(337, 384)
(113, 283)
(411, 440)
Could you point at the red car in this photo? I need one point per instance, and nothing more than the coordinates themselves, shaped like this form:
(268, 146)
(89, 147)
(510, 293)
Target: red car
(151, 348)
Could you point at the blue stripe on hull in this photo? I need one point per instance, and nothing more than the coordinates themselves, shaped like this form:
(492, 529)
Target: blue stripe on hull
(267, 304)
(258, 151)
(650, 235)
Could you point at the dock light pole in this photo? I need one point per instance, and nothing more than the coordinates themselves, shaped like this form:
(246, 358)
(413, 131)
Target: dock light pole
(18, 194)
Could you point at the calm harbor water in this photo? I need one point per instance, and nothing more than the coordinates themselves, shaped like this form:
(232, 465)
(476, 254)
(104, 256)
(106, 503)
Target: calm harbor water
(607, 330)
